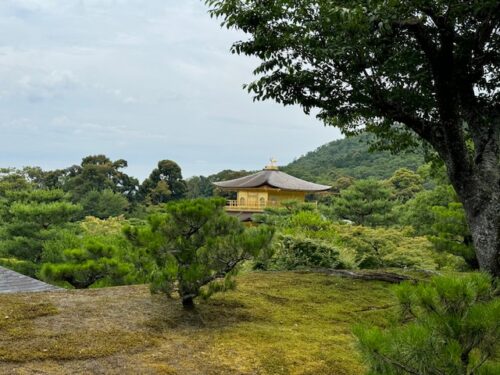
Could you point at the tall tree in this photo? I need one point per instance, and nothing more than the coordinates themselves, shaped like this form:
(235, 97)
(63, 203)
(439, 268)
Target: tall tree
(408, 71)
(165, 183)
(98, 172)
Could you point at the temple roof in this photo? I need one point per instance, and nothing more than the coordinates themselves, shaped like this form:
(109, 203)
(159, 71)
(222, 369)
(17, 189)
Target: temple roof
(273, 178)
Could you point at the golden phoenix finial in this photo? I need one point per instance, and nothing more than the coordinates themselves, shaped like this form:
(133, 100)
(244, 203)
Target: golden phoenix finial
(273, 165)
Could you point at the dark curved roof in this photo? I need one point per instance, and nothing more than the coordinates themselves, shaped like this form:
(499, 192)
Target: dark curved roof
(272, 178)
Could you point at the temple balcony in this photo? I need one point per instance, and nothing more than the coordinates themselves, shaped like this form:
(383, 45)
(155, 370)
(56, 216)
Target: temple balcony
(233, 205)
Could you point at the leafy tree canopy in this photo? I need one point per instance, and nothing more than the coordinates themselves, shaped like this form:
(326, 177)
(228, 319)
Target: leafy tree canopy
(412, 72)
(103, 204)
(165, 183)
(405, 184)
(98, 172)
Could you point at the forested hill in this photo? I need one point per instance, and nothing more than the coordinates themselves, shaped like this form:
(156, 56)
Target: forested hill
(350, 157)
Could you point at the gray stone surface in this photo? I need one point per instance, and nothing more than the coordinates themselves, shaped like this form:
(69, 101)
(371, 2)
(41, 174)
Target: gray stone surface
(13, 282)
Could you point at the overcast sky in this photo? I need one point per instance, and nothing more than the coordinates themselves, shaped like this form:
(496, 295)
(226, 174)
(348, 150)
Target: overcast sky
(140, 80)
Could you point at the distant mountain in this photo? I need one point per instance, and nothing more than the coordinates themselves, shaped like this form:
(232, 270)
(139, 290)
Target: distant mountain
(350, 157)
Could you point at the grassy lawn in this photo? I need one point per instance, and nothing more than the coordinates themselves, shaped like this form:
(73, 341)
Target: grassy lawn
(273, 323)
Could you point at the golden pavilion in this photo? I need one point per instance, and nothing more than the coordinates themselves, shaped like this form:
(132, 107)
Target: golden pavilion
(267, 188)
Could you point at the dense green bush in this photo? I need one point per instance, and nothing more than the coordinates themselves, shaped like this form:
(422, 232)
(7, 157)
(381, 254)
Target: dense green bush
(104, 204)
(385, 247)
(95, 254)
(30, 217)
(449, 325)
(417, 212)
(301, 252)
(357, 246)
(94, 264)
(366, 202)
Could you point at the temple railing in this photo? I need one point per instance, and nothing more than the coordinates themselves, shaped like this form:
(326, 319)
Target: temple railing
(234, 205)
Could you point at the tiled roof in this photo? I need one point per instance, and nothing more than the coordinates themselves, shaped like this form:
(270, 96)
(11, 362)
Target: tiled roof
(13, 282)
(272, 178)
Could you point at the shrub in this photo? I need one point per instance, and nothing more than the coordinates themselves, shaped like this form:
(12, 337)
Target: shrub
(448, 326)
(95, 264)
(301, 252)
(380, 247)
(308, 220)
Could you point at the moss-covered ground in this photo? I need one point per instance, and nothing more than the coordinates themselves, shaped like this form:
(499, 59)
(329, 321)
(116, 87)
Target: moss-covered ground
(273, 323)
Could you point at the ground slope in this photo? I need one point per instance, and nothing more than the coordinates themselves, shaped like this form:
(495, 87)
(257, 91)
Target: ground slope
(274, 323)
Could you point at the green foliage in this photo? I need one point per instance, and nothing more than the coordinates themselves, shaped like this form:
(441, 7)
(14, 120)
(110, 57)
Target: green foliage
(12, 180)
(99, 173)
(373, 66)
(300, 252)
(94, 264)
(433, 174)
(405, 184)
(196, 244)
(381, 247)
(308, 220)
(413, 73)
(451, 233)
(103, 204)
(418, 213)
(95, 255)
(201, 186)
(30, 217)
(67, 238)
(165, 183)
(366, 202)
(301, 233)
(448, 326)
(437, 214)
(350, 157)
(94, 226)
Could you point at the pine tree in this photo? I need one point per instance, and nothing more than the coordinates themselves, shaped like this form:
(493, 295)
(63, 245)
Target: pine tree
(196, 244)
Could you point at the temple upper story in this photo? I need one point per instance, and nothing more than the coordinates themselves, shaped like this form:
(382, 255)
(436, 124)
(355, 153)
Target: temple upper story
(267, 188)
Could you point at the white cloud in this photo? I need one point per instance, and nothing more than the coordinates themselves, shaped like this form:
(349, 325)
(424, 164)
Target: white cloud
(49, 85)
(142, 80)
(33, 5)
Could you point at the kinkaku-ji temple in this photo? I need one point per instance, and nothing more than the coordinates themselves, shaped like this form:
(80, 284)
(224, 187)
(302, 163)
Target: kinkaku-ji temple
(267, 188)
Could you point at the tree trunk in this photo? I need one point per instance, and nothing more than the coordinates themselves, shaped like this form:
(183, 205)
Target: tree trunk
(188, 302)
(479, 192)
(483, 216)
